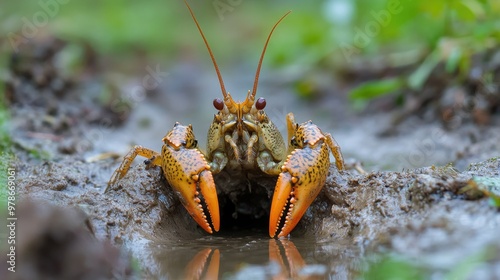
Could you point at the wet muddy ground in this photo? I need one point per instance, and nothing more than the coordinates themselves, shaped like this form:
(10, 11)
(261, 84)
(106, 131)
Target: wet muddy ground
(66, 149)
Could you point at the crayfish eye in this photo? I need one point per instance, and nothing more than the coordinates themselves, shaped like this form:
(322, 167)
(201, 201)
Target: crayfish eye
(218, 104)
(260, 103)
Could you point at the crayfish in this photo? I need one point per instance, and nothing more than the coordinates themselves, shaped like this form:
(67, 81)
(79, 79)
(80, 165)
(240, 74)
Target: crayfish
(242, 139)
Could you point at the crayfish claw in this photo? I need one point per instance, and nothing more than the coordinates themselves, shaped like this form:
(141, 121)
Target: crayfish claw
(189, 175)
(281, 199)
(302, 178)
(207, 188)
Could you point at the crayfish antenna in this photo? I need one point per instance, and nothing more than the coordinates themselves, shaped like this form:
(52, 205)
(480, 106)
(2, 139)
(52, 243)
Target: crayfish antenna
(221, 82)
(257, 73)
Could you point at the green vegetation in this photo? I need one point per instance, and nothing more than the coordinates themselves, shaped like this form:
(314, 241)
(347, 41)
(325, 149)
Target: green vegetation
(6, 160)
(495, 201)
(464, 269)
(6, 156)
(491, 187)
(394, 268)
(447, 31)
(5, 141)
(335, 32)
(122, 29)
(376, 88)
(397, 267)
(481, 186)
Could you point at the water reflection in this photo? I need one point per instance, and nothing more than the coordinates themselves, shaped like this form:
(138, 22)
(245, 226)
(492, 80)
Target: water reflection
(286, 255)
(205, 265)
(240, 258)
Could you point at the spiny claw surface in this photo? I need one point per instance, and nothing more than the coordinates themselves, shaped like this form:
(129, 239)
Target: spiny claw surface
(189, 174)
(207, 187)
(302, 177)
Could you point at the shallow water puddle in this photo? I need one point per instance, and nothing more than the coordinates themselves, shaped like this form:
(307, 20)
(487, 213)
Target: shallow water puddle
(241, 257)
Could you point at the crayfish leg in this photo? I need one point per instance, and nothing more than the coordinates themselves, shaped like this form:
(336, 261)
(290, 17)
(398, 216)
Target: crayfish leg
(137, 150)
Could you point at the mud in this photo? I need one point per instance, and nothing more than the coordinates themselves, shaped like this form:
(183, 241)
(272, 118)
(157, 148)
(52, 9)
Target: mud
(64, 158)
(58, 243)
(418, 214)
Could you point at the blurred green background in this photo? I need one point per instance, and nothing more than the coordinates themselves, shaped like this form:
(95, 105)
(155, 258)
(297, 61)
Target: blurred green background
(328, 36)
(336, 31)
(331, 36)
